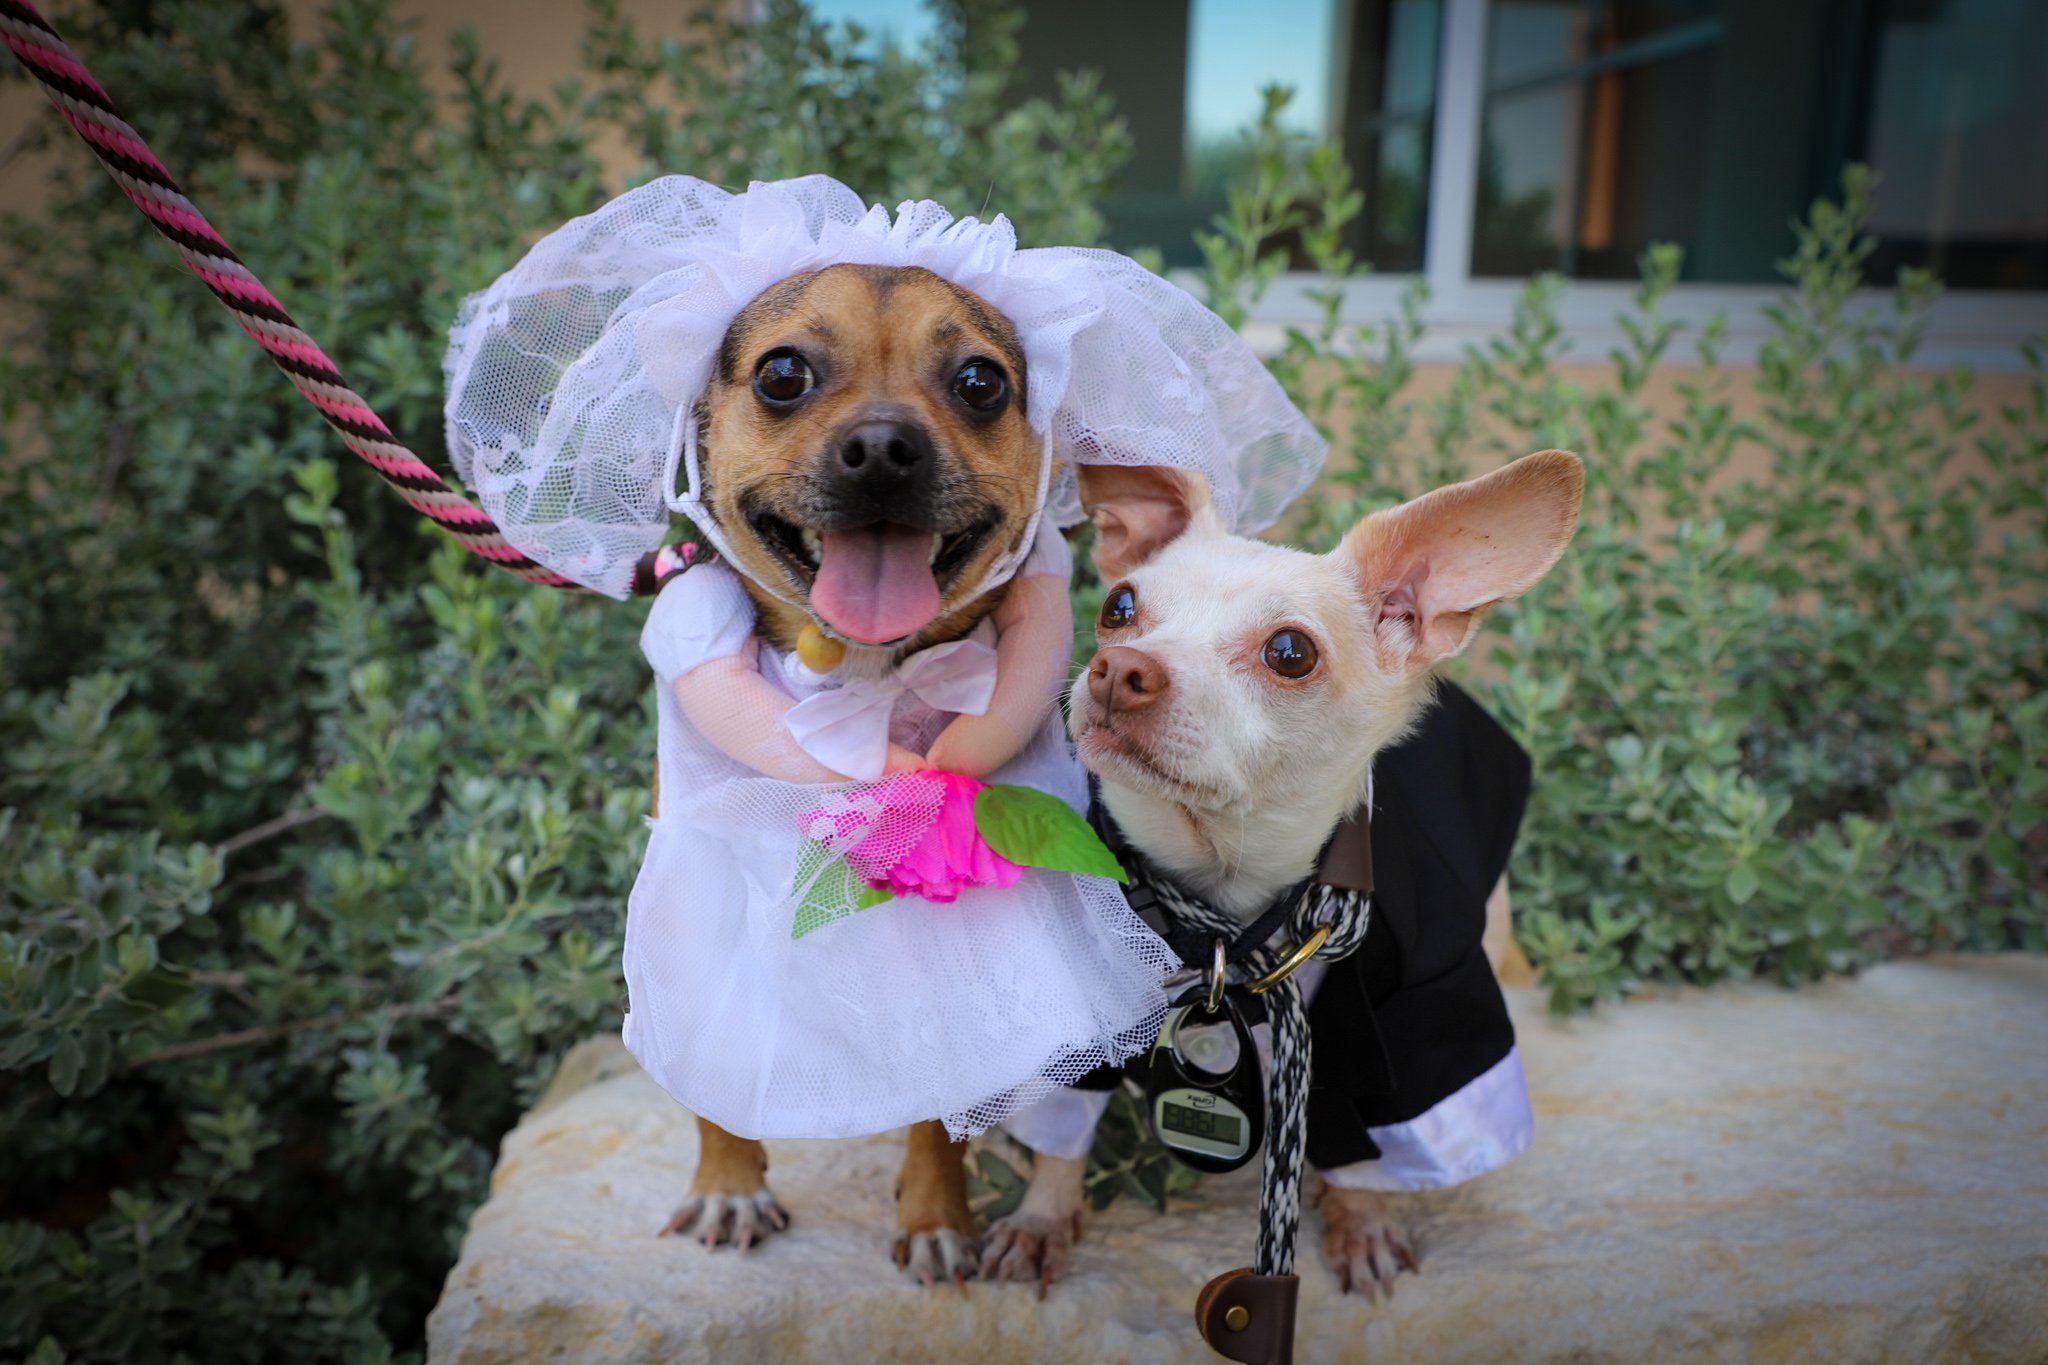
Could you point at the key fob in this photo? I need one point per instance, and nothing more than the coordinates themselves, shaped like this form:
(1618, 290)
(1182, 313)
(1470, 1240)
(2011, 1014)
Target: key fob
(1205, 1096)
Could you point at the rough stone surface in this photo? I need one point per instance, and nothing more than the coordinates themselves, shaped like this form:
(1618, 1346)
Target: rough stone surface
(1857, 1171)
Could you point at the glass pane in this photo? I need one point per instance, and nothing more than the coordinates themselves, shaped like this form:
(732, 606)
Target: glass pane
(1389, 101)
(1139, 50)
(1533, 38)
(1959, 131)
(1595, 135)
(1187, 74)
(1526, 179)
(1395, 219)
(1235, 50)
(1411, 57)
(1629, 21)
(1639, 177)
(903, 24)
(1611, 124)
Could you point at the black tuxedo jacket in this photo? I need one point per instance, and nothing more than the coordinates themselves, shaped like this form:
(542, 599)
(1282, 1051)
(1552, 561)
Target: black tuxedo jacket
(1415, 1014)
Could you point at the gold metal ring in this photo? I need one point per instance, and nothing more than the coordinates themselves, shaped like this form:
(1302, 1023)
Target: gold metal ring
(1308, 949)
(1216, 970)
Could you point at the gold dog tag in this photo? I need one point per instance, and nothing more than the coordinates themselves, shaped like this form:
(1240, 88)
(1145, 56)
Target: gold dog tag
(819, 652)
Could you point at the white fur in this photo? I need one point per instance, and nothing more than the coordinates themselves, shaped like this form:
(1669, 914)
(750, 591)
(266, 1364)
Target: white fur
(1243, 775)
(1234, 776)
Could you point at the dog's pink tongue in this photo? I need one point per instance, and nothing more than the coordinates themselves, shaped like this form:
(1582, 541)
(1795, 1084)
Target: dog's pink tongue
(875, 584)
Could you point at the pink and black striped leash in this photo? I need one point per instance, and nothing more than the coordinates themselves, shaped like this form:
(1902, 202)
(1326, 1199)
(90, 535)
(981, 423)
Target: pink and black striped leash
(149, 187)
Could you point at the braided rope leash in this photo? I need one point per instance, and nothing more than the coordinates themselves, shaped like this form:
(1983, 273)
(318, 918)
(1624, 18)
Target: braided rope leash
(139, 175)
(1348, 914)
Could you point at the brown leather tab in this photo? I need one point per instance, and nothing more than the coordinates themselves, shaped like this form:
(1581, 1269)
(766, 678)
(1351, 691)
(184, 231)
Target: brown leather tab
(1348, 863)
(1249, 1318)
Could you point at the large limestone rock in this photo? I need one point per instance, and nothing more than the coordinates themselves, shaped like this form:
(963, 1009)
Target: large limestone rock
(1853, 1172)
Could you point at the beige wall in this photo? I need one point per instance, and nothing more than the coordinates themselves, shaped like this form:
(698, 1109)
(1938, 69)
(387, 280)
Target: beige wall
(535, 44)
(1989, 395)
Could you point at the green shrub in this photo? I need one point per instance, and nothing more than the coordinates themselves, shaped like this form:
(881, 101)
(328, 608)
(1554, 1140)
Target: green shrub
(314, 837)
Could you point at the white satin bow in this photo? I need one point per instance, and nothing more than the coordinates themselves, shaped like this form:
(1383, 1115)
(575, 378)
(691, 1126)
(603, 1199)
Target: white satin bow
(847, 728)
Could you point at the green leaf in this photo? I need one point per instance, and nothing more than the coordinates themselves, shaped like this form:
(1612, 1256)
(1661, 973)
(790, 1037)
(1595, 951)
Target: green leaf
(65, 1060)
(1743, 883)
(994, 1186)
(830, 888)
(1034, 829)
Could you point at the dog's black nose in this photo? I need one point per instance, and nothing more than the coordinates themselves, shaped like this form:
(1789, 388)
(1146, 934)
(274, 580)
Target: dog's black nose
(880, 465)
(897, 445)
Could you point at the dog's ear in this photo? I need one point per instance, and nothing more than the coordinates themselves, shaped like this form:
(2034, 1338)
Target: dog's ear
(1430, 567)
(1140, 509)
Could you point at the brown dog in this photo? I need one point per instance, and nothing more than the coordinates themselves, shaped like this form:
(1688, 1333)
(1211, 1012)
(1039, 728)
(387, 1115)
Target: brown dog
(869, 409)
(865, 451)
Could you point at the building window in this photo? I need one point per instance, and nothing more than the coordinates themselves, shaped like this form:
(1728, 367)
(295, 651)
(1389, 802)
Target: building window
(1386, 122)
(1498, 138)
(1611, 124)
(1187, 76)
(1959, 129)
(1596, 124)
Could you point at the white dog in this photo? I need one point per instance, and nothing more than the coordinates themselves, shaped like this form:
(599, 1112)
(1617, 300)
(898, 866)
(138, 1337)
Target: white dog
(1233, 712)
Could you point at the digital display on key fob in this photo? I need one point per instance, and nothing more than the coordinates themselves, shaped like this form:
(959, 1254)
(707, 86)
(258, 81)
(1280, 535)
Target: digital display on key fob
(1199, 1123)
(1204, 1129)
(1204, 1092)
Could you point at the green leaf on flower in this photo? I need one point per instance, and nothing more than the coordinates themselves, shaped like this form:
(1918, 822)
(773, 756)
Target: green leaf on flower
(831, 890)
(1034, 829)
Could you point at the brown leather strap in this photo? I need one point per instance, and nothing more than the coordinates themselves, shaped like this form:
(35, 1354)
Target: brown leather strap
(1249, 1318)
(1347, 863)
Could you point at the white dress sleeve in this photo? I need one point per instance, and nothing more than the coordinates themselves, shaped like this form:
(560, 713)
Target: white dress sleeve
(702, 615)
(1049, 555)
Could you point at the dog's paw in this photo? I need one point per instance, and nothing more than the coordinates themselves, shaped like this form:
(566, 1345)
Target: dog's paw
(934, 1227)
(1029, 1247)
(937, 1254)
(738, 1219)
(1363, 1243)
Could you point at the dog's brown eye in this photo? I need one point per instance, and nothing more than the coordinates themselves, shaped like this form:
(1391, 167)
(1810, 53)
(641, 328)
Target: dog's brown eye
(1119, 609)
(1291, 654)
(981, 385)
(784, 377)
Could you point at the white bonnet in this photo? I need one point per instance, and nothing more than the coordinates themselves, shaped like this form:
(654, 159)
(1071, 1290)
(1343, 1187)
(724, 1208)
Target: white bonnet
(568, 378)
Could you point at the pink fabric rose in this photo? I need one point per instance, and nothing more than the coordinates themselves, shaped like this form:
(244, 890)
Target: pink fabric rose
(950, 856)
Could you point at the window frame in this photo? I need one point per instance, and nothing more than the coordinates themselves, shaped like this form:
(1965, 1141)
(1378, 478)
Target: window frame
(1980, 328)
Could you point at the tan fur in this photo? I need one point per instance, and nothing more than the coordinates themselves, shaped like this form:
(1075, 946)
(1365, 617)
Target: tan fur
(931, 1188)
(883, 342)
(728, 1164)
